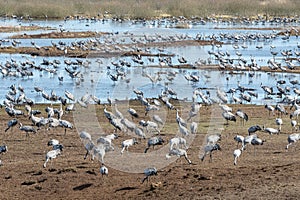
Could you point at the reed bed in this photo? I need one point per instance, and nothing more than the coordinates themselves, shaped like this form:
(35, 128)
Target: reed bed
(147, 9)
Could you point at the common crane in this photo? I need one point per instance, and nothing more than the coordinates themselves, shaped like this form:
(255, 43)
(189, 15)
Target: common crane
(271, 131)
(66, 124)
(183, 130)
(208, 149)
(180, 120)
(153, 142)
(27, 129)
(103, 170)
(236, 154)
(242, 115)
(253, 129)
(51, 155)
(293, 138)
(239, 139)
(10, 124)
(228, 116)
(270, 108)
(148, 173)
(278, 122)
(178, 152)
(194, 127)
(294, 124)
(127, 143)
(133, 112)
(281, 110)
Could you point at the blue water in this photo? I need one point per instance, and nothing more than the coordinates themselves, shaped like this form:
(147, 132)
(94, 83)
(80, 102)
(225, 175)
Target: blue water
(95, 79)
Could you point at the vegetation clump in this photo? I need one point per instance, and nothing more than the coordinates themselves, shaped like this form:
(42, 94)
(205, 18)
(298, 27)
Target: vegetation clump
(137, 9)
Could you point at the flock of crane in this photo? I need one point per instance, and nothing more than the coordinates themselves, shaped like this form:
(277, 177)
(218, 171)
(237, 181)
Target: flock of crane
(150, 129)
(18, 103)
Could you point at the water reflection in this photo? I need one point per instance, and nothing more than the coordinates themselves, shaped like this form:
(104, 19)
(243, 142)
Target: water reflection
(95, 77)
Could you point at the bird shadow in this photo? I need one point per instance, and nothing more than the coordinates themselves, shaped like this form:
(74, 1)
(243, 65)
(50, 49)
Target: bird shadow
(82, 187)
(126, 188)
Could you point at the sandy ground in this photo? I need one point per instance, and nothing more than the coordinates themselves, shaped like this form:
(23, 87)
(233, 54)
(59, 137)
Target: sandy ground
(270, 173)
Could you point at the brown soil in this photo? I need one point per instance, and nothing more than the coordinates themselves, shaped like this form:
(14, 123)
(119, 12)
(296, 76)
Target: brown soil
(77, 52)
(66, 34)
(270, 174)
(292, 31)
(22, 28)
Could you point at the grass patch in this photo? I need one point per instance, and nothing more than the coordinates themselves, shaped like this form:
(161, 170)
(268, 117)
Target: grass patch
(147, 9)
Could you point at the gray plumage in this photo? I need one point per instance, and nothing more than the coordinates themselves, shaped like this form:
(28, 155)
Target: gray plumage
(149, 172)
(253, 129)
(229, 116)
(293, 138)
(242, 115)
(3, 149)
(133, 113)
(11, 124)
(27, 129)
(154, 141)
(208, 149)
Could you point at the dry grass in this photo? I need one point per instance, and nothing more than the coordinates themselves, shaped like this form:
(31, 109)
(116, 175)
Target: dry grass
(148, 9)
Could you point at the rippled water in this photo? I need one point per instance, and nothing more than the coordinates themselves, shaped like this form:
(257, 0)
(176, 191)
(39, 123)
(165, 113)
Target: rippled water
(95, 78)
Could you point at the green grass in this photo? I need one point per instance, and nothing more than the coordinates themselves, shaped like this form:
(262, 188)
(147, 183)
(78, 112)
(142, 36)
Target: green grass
(147, 9)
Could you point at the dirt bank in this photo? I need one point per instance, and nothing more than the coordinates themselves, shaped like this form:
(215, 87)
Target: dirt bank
(270, 173)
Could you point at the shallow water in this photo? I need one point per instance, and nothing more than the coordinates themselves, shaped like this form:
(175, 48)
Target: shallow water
(102, 86)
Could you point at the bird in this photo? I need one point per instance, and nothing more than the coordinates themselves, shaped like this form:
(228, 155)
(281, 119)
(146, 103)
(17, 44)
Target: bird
(60, 112)
(153, 142)
(278, 122)
(179, 153)
(294, 124)
(281, 110)
(213, 138)
(69, 95)
(236, 154)
(53, 142)
(239, 139)
(194, 127)
(109, 115)
(103, 170)
(248, 140)
(151, 171)
(51, 155)
(11, 124)
(242, 115)
(268, 90)
(60, 78)
(295, 113)
(257, 141)
(133, 112)
(183, 130)
(180, 120)
(27, 129)
(65, 124)
(225, 108)
(270, 109)
(253, 129)
(157, 119)
(118, 113)
(209, 148)
(271, 131)
(292, 139)
(229, 117)
(85, 136)
(3, 149)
